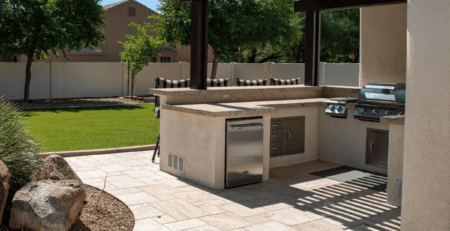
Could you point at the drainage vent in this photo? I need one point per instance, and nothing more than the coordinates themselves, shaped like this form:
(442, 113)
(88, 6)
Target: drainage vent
(176, 162)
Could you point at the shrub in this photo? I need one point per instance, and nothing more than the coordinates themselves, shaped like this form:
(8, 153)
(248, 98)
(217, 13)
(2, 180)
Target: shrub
(17, 149)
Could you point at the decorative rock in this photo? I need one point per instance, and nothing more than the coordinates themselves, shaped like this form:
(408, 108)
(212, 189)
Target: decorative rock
(4, 188)
(47, 205)
(59, 169)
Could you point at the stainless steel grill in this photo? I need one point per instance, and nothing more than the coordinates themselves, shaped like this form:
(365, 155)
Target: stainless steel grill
(376, 100)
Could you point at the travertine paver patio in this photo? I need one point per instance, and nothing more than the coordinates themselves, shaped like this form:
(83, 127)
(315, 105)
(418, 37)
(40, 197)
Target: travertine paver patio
(292, 199)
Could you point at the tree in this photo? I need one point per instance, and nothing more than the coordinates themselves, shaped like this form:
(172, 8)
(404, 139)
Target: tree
(138, 49)
(36, 27)
(339, 40)
(232, 23)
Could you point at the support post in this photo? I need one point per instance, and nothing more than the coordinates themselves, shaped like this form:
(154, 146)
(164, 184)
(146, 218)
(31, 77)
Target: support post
(312, 59)
(199, 44)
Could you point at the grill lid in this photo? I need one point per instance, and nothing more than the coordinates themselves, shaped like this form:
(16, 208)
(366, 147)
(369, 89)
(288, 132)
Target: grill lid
(383, 93)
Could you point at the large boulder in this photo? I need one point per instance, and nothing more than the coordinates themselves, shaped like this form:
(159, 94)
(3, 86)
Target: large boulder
(47, 205)
(4, 188)
(58, 169)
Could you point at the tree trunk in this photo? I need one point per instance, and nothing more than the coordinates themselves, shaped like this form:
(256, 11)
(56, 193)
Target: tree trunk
(26, 96)
(252, 58)
(215, 64)
(128, 81)
(132, 83)
(240, 55)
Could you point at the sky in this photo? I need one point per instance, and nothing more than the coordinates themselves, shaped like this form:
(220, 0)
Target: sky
(152, 4)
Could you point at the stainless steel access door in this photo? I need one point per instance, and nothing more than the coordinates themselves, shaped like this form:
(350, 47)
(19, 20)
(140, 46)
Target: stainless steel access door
(244, 151)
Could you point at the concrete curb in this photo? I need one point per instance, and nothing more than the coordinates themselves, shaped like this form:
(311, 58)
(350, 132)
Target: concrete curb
(100, 151)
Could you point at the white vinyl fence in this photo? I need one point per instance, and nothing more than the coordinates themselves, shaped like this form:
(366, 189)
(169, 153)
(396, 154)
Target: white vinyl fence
(87, 79)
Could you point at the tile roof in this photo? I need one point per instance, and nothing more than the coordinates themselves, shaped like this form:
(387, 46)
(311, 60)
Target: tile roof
(116, 4)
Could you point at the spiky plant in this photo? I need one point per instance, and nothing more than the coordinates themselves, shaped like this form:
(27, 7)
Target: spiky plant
(17, 149)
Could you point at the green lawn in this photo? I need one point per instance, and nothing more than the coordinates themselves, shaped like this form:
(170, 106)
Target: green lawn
(68, 129)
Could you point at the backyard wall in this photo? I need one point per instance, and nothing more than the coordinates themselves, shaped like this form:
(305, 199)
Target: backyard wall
(107, 79)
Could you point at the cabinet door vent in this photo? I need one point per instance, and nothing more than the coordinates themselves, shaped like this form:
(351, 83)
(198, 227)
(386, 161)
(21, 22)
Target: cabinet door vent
(176, 162)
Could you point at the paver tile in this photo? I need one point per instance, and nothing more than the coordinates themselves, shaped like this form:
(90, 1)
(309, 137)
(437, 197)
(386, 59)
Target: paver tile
(317, 225)
(292, 216)
(83, 168)
(234, 196)
(258, 219)
(125, 182)
(204, 228)
(116, 192)
(179, 209)
(165, 175)
(226, 221)
(345, 222)
(136, 198)
(149, 225)
(244, 209)
(208, 207)
(164, 219)
(363, 227)
(114, 174)
(139, 173)
(186, 224)
(193, 196)
(270, 226)
(143, 211)
(160, 189)
(173, 182)
(91, 174)
(385, 223)
(148, 181)
(271, 205)
(113, 168)
(165, 197)
(395, 213)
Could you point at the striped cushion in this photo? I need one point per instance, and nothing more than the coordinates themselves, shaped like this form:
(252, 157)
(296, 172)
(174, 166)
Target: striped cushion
(165, 83)
(259, 82)
(217, 82)
(274, 81)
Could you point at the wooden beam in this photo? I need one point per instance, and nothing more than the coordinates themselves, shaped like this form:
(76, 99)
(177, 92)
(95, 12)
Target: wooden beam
(199, 44)
(312, 53)
(302, 6)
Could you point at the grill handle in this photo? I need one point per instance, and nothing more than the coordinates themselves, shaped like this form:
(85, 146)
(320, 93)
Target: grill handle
(372, 146)
(289, 135)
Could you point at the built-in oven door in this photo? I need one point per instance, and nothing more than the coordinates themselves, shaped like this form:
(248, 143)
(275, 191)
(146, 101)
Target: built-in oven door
(244, 151)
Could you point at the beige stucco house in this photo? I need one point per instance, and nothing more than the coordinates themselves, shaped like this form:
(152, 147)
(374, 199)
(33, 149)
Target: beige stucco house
(117, 18)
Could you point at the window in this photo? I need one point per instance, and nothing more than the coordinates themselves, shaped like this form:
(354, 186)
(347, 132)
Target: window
(131, 11)
(97, 50)
(165, 60)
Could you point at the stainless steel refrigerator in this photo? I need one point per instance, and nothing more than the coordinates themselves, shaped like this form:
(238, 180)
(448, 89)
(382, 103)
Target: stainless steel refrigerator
(244, 151)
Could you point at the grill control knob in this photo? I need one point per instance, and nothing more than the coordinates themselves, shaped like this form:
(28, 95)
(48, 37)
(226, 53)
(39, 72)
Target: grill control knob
(363, 111)
(339, 108)
(375, 112)
(332, 107)
(387, 113)
(401, 113)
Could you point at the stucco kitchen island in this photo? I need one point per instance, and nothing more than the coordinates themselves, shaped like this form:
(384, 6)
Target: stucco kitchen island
(193, 125)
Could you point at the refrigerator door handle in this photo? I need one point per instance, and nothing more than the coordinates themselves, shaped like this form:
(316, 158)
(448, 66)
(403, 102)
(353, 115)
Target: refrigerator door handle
(252, 125)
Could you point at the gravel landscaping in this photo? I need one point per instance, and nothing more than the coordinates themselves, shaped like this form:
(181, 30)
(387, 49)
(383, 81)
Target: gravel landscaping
(111, 214)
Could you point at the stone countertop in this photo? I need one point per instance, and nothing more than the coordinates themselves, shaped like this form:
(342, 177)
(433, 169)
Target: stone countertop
(396, 119)
(255, 108)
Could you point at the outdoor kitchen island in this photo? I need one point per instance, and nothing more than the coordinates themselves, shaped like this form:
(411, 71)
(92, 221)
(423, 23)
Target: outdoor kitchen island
(193, 127)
